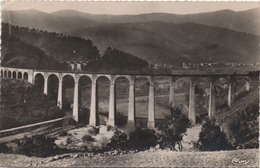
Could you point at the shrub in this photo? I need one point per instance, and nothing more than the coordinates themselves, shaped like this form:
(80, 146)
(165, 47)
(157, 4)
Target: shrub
(118, 141)
(175, 128)
(211, 138)
(243, 127)
(92, 131)
(142, 139)
(38, 145)
(87, 138)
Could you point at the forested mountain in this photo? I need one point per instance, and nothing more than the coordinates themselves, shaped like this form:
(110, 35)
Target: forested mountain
(66, 20)
(18, 54)
(221, 36)
(21, 48)
(117, 61)
(45, 21)
(58, 46)
(161, 42)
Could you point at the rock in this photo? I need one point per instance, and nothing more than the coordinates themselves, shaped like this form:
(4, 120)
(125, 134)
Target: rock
(157, 146)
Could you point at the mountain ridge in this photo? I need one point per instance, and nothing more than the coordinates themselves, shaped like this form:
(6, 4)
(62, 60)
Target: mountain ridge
(243, 21)
(161, 42)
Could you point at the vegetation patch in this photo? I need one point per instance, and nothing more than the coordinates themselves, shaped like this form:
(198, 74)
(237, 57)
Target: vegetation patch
(38, 145)
(23, 103)
(211, 138)
(175, 128)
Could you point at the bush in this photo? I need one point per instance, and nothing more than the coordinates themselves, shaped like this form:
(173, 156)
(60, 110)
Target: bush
(38, 145)
(142, 139)
(118, 141)
(211, 138)
(92, 131)
(87, 138)
(175, 128)
(243, 127)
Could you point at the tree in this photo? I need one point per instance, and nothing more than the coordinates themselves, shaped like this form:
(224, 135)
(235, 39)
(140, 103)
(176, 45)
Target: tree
(243, 127)
(211, 138)
(175, 128)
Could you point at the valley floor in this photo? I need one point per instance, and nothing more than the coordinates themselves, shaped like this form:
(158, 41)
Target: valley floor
(158, 158)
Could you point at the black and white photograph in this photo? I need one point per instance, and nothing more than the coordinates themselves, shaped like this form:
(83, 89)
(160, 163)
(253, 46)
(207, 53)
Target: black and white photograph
(129, 84)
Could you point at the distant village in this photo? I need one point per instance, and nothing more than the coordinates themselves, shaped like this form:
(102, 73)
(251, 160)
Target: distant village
(186, 65)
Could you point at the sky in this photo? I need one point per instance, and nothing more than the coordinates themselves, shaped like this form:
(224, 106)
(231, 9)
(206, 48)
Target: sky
(118, 8)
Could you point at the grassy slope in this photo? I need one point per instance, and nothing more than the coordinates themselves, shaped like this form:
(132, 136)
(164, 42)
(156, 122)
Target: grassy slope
(22, 104)
(144, 159)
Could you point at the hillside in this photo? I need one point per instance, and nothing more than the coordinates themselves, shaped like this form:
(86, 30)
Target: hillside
(23, 103)
(243, 21)
(57, 46)
(161, 42)
(16, 53)
(66, 20)
(45, 21)
(117, 61)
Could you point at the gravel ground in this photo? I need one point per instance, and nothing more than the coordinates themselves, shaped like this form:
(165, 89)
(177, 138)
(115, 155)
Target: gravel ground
(159, 158)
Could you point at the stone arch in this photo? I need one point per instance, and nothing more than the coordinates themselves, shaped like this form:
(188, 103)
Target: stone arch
(68, 85)
(182, 92)
(2, 74)
(202, 98)
(84, 92)
(5, 73)
(53, 87)
(222, 91)
(39, 81)
(240, 87)
(20, 75)
(162, 96)
(122, 84)
(9, 74)
(25, 76)
(103, 92)
(14, 75)
(142, 84)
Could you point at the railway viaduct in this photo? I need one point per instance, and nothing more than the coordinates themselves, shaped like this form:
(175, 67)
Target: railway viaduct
(30, 75)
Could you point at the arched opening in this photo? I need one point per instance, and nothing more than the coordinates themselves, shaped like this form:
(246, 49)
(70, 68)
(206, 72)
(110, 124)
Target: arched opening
(141, 101)
(5, 73)
(202, 91)
(122, 100)
(39, 81)
(241, 87)
(68, 84)
(85, 86)
(2, 74)
(20, 75)
(181, 94)
(72, 66)
(221, 92)
(14, 75)
(162, 92)
(9, 74)
(25, 76)
(103, 92)
(53, 86)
